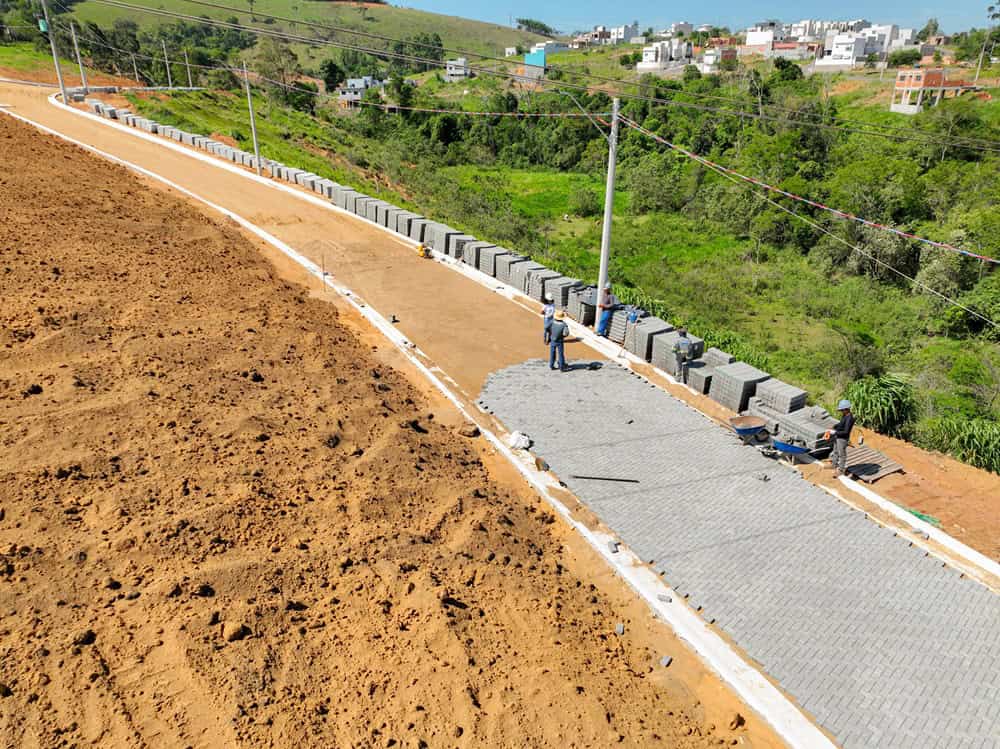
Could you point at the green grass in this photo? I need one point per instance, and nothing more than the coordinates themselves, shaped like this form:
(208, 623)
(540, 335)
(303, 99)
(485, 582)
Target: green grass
(24, 57)
(398, 23)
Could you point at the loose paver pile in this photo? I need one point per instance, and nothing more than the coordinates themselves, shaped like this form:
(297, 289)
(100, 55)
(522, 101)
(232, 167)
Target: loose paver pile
(884, 645)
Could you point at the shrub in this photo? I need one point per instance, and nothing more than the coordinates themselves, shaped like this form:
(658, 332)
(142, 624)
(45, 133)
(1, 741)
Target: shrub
(973, 441)
(884, 403)
(585, 202)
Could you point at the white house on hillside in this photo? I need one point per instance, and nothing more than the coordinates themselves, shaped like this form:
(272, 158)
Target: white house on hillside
(842, 50)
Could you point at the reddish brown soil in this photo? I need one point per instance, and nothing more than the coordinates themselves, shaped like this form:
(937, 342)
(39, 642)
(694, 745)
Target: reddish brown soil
(224, 521)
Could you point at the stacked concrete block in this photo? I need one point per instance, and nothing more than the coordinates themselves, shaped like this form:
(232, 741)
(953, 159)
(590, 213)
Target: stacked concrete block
(291, 174)
(361, 205)
(455, 244)
(417, 227)
(639, 340)
(95, 106)
(390, 217)
(402, 222)
(110, 113)
(345, 199)
(781, 396)
(437, 235)
(663, 350)
(807, 426)
(620, 322)
(701, 371)
(733, 385)
(472, 250)
(582, 305)
(520, 273)
(505, 266)
(559, 288)
(488, 259)
(371, 209)
(535, 286)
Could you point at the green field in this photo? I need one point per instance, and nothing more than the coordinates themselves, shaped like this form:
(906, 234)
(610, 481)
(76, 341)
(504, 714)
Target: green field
(385, 20)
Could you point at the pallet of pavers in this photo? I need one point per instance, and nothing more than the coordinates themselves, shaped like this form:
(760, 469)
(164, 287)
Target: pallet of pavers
(436, 235)
(701, 371)
(402, 222)
(471, 252)
(361, 205)
(417, 227)
(582, 304)
(781, 396)
(806, 425)
(733, 385)
(619, 327)
(505, 265)
(639, 340)
(559, 289)
(519, 274)
(663, 350)
(371, 210)
(345, 199)
(488, 257)
(390, 217)
(536, 283)
(455, 245)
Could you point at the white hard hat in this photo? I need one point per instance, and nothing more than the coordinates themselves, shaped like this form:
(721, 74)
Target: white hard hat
(843, 405)
(607, 285)
(548, 297)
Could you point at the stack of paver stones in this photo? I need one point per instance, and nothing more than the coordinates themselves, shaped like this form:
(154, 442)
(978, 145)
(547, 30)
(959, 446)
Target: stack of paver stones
(734, 384)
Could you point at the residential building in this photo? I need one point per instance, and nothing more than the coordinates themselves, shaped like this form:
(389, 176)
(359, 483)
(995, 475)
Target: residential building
(904, 38)
(621, 34)
(509, 51)
(713, 57)
(705, 28)
(354, 88)
(680, 28)
(878, 37)
(842, 50)
(792, 50)
(722, 41)
(550, 46)
(534, 65)
(661, 56)
(600, 35)
(919, 87)
(457, 69)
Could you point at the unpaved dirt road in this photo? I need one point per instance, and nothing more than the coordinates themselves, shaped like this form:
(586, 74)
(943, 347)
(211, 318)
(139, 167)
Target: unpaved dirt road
(224, 522)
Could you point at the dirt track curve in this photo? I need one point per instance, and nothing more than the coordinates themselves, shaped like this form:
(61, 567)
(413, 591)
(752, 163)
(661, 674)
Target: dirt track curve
(225, 522)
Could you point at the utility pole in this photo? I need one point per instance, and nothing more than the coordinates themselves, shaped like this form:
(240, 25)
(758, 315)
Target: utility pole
(135, 71)
(982, 54)
(188, 66)
(609, 200)
(55, 53)
(253, 121)
(76, 48)
(166, 62)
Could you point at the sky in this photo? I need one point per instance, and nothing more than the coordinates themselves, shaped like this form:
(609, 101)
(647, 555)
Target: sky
(569, 15)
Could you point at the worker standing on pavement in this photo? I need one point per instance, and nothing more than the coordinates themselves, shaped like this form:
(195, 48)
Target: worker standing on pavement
(548, 312)
(557, 337)
(605, 306)
(841, 433)
(682, 355)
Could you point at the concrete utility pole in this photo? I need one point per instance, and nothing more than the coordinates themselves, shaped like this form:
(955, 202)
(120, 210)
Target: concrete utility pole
(253, 121)
(982, 54)
(609, 199)
(55, 53)
(135, 71)
(166, 61)
(188, 66)
(76, 48)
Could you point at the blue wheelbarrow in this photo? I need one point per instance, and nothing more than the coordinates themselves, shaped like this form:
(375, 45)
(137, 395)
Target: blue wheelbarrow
(747, 428)
(789, 450)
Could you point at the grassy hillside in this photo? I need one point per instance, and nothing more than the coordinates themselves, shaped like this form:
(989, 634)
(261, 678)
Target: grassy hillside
(386, 20)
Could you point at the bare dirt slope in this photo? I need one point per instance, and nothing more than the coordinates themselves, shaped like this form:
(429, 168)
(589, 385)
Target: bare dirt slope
(222, 523)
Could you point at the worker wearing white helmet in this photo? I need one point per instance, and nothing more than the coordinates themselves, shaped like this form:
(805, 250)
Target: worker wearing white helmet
(841, 434)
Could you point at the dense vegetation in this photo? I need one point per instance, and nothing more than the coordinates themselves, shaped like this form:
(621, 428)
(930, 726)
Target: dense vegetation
(819, 305)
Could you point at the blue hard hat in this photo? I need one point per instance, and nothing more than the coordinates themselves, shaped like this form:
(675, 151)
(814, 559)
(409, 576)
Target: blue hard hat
(843, 405)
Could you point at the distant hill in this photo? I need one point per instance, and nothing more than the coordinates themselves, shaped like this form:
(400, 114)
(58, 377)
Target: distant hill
(387, 20)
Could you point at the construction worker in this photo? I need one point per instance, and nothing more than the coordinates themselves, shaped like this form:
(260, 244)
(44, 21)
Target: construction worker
(548, 312)
(682, 355)
(605, 306)
(841, 434)
(557, 337)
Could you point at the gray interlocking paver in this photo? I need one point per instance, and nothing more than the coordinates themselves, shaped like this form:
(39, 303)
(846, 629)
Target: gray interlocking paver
(871, 635)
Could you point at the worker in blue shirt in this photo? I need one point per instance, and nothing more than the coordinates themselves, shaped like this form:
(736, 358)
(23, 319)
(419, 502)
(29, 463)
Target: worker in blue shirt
(548, 312)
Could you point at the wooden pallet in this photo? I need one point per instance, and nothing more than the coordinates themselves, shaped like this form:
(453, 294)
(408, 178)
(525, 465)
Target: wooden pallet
(869, 465)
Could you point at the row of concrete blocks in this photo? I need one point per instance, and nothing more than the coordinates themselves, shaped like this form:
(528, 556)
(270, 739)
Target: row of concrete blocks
(714, 372)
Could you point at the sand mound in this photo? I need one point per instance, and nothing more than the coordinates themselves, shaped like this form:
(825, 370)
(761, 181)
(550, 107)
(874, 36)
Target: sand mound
(223, 524)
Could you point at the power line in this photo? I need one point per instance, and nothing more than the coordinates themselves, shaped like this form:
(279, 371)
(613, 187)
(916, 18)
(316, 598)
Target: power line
(819, 227)
(807, 201)
(956, 140)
